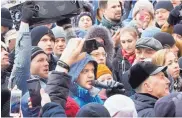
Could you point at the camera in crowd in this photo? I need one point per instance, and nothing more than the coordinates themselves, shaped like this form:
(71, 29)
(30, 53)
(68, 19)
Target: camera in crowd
(48, 11)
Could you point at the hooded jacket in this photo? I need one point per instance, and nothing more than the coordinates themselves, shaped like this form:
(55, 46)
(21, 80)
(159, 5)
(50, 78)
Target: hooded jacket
(144, 104)
(103, 33)
(79, 94)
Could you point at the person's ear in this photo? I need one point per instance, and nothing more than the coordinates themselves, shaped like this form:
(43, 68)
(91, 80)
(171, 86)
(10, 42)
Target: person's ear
(148, 87)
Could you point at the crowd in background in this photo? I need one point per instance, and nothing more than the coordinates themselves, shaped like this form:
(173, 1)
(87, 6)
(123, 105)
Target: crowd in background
(139, 57)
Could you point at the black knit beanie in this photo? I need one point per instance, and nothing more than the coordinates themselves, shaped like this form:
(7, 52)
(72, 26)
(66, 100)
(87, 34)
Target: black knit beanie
(84, 14)
(165, 39)
(38, 32)
(6, 19)
(164, 4)
(35, 51)
(178, 29)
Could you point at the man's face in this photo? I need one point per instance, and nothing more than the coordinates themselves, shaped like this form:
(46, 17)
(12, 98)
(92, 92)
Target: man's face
(113, 10)
(128, 42)
(161, 16)
(85, 22)
(86, 76)
(46, 44)
(173, 66)
(99, 55)
(176, 2)
(158, 85)
(143, 53)
(4, 59)
(60, 45)
(143, 19)
(40, 66)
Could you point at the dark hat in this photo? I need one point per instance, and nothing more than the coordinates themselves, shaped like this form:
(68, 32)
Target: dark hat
(93, 110)
(84, 14)
(166, 39)
(169, 106)
(178, 29)
(6, 19)
(164, 4)
(149, 42)
(35, 51)
(141, 71)
(38, 32)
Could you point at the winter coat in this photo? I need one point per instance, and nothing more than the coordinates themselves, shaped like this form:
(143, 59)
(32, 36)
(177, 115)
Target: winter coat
(21, 68)
(79, 94)
(144, 104)
(128, 89)
(53, 110)
(58, 89)
(52, 62)
(120, 65)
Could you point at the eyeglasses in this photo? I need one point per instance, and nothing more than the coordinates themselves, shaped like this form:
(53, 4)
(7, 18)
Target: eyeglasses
(99, 54)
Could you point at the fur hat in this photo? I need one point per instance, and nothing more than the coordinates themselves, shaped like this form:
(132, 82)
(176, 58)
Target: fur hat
(103, 33)
(143, 4)
(38, 32)
(141, 71)
(6, 19)
(102, 69)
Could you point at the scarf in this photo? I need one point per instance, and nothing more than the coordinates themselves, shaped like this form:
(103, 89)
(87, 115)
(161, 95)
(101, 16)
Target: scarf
(129, 57)
(111, 24)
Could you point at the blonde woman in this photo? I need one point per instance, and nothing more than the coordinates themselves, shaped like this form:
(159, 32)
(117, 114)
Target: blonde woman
(165, 57)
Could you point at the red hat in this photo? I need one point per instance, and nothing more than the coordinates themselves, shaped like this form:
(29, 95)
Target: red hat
(71, 107)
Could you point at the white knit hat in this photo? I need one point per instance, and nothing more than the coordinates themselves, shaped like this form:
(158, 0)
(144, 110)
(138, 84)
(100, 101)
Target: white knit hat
(11, 34)
(143, 4)
(120, 106)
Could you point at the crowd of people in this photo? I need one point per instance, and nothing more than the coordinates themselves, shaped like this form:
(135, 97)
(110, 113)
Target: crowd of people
(138, 58)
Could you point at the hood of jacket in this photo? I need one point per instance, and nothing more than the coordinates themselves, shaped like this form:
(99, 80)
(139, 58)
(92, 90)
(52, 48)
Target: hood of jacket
(144, 103)
(75, 71)
(103, 33)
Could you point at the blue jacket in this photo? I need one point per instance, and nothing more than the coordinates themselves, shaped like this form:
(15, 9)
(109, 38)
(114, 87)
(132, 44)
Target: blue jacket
(79, 94)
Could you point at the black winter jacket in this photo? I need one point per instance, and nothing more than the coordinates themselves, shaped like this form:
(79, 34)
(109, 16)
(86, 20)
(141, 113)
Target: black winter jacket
(144, 104)
(58, 87)
(119, 66)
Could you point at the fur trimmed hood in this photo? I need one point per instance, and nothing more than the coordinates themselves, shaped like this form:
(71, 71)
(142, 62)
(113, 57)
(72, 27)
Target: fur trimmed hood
(103, 33)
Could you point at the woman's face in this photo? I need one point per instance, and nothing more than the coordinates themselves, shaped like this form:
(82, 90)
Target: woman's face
(173, 66)
(128, 42)
(143, 19)
(85, 22)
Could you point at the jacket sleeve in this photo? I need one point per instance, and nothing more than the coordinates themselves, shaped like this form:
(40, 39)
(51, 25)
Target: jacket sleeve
(21, 68)
(58, 87)
(53, 110)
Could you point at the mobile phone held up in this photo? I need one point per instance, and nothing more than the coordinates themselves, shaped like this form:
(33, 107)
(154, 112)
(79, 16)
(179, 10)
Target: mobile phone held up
(90, 45)
(34, 91)
(15, 102)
